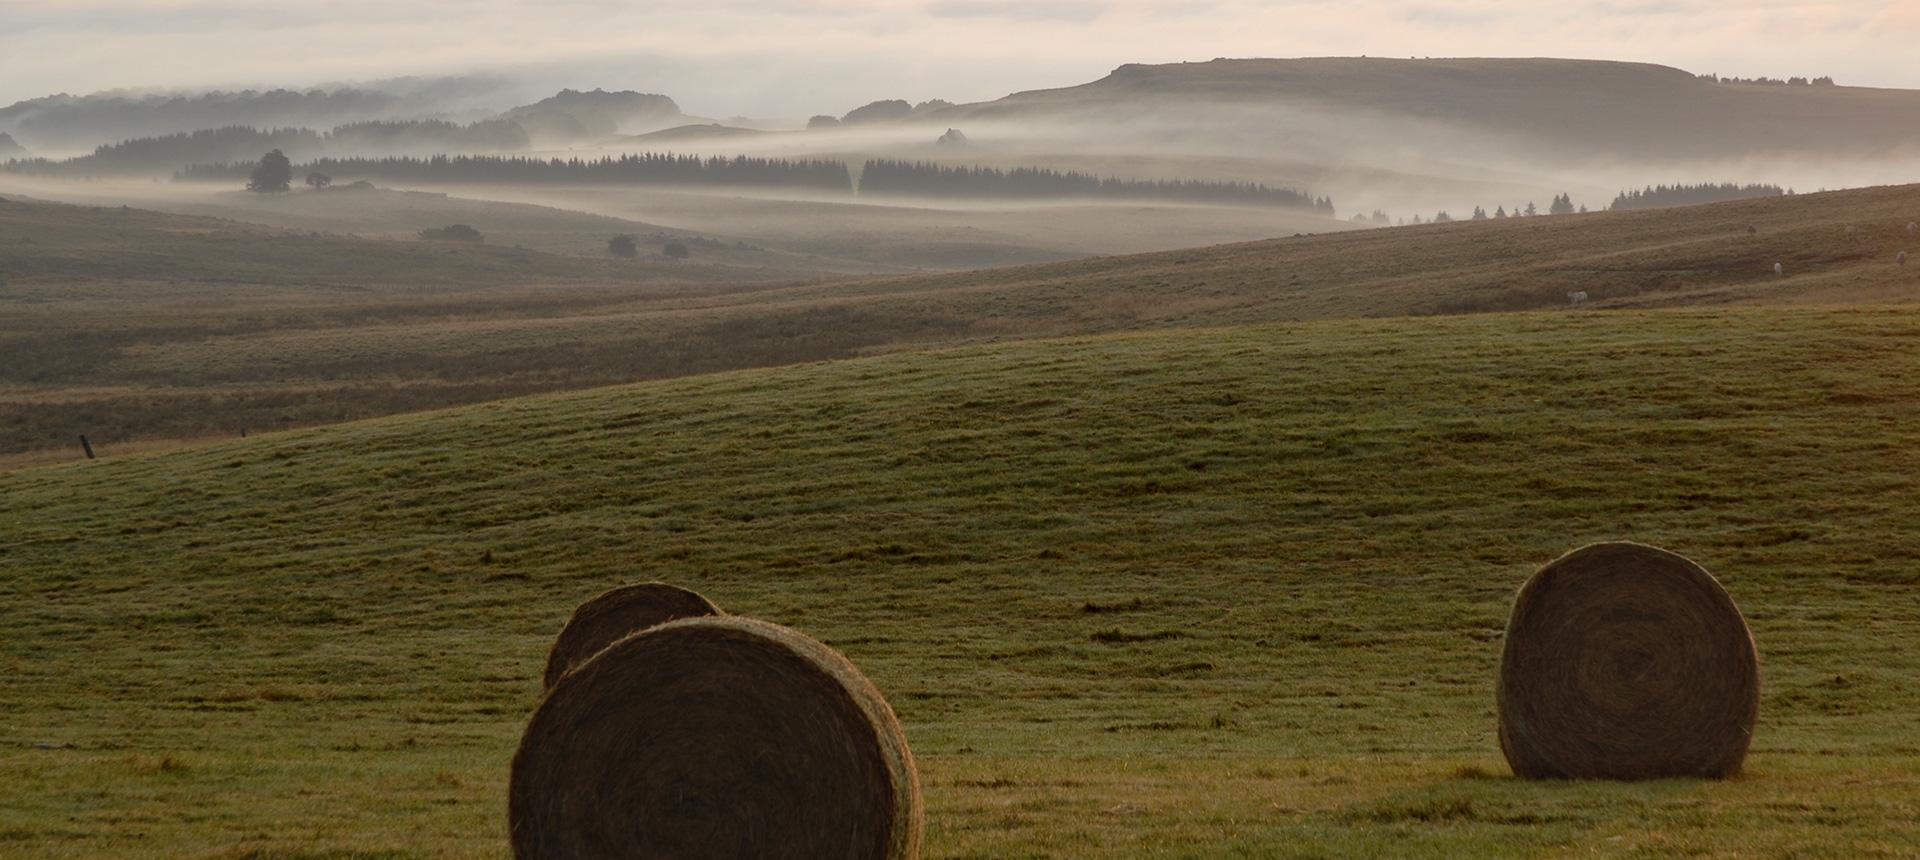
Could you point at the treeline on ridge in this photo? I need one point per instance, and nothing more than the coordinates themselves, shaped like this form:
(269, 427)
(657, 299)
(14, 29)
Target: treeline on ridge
(937, 180)
(878, 177)
(1663, 196)
(59, 121)
(643, 169)
(1795, 81)
(166, 153)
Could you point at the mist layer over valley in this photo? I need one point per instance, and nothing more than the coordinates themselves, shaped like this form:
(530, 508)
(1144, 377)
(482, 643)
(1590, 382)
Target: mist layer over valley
(1381, 141)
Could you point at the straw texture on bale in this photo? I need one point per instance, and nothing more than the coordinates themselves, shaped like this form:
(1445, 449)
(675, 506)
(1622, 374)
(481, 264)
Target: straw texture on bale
(616, 614)
(718, 737)
(1626, 661)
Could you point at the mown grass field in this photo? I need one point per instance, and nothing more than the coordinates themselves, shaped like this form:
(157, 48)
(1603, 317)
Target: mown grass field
(1190, 594)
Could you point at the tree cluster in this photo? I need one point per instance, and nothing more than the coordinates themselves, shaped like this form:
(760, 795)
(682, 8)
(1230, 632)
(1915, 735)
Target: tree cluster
(1822, 81)
(936, 180)
(452, 233)
(644, 169)
(167, 153)
(1562, 205)
(67, 121)
(1662, 196)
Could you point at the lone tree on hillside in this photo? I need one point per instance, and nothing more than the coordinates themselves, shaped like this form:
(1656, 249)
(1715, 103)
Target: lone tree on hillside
(318, 181)
(676, 250)
(1562, 205)
(274, 173)
(623, 245)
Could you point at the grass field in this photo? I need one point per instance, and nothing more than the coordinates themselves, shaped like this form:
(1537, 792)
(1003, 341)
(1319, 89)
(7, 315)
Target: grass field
(932, 235)
(1186, 594)
(108, 316)
(133, 326)
(400, 214)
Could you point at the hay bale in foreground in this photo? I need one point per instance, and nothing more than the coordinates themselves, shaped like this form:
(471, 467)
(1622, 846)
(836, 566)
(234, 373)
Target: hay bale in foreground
(717, 737)
(1626, 661)
(617, 614)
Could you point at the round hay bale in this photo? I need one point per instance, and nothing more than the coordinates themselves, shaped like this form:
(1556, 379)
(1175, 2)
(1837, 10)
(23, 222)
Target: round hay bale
(1626, 661)
(719, 737)
(616, 614)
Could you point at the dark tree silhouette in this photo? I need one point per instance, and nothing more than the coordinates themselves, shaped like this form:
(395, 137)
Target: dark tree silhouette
(1661, 196)
(937, 180)
(1562, 205)
(273, 173)
(624, 246)
(453, 233)
(675, 250)
(317, 181)
(642, 169)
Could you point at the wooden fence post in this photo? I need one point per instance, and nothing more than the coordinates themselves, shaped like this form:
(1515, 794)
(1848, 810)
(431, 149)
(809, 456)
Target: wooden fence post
(86, 446)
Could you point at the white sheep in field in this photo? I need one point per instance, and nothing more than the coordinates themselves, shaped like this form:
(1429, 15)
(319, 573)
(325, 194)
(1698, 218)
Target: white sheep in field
(1576, 297)
(1779, 270)
(1913, 228)
(1901, 258)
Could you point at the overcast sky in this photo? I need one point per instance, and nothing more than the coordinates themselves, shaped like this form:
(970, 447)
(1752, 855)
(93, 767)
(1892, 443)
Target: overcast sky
(792, 58)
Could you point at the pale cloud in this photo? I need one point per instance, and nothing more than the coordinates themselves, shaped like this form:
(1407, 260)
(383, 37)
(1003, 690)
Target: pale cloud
(786, 57)
(1016, 10)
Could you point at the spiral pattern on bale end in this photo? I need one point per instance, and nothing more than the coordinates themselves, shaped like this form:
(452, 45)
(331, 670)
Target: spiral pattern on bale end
(616, 614)
(1626, 661)
(718, 737)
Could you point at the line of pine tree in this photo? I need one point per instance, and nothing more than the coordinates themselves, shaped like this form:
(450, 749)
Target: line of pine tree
(168, 152)
(936, 180)
(1661, 196)
(642, 169)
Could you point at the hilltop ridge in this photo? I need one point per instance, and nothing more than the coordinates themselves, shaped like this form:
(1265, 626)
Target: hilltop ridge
(1583, 107)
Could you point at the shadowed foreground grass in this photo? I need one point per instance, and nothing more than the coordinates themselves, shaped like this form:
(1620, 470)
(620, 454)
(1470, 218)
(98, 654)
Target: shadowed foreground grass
(1230, 593)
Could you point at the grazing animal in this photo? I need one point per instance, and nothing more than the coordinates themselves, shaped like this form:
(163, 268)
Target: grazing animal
(1901, 258)
(1913, 228)
(1779, 270)
(1577, 297)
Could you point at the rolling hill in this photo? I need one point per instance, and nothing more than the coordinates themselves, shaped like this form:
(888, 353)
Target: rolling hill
(238, 332)
(711, 131)
(85, 292)
(73, 124)
(1548, 108)
(1184, 594)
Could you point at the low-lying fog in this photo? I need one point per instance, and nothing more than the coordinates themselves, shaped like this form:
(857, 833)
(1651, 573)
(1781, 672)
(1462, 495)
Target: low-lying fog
(1398, 165)
(1403, 165)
